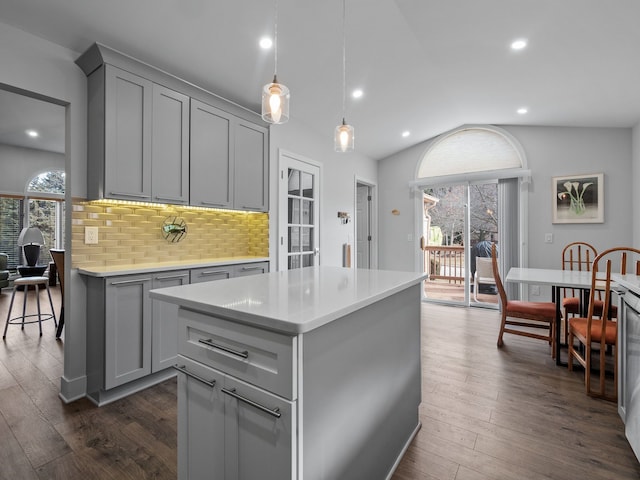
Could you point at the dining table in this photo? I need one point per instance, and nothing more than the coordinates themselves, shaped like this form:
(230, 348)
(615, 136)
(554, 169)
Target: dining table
(557, 279)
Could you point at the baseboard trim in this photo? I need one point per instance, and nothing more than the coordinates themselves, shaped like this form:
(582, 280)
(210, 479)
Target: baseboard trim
(72, 390)
(404, 450)
(104, 397)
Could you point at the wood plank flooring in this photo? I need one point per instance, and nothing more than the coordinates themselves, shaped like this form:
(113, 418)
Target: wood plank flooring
(486, 413)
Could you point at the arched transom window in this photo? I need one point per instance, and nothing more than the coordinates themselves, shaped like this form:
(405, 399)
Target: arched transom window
(470, 149)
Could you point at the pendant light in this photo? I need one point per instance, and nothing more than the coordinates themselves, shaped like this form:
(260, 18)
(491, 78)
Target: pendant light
(275, 96)
(344, 138)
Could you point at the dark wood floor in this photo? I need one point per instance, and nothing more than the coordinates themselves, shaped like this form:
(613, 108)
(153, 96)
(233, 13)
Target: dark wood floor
(486, 414)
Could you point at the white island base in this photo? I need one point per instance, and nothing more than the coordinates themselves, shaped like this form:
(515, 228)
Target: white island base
(324, 386)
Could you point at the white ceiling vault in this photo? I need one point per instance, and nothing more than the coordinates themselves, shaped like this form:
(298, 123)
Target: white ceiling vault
(425, 66)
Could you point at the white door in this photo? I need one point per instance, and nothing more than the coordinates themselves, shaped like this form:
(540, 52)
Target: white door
(363, 226)
(299, 233)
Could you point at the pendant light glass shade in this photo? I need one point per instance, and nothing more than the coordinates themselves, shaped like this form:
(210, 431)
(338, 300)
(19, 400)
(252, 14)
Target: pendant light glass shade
(275, 102)
(344, 138)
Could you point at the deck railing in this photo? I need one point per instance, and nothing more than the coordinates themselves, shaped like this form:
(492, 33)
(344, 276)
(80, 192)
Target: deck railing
(443, 262)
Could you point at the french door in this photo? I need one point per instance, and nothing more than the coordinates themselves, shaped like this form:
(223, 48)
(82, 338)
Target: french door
(299, 232)
(458, 220)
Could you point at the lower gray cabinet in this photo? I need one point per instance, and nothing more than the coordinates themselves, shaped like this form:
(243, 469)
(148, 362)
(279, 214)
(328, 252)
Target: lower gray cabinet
(164, 329)
(247, 269)
(127, 329)
(228, 429)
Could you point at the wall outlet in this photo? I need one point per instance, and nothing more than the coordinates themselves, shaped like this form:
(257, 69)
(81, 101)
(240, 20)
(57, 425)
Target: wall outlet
(535, 290)
(90, 235)
(409, 237)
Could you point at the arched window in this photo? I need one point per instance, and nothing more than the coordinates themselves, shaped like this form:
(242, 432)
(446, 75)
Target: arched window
(473, 150)
(44, 203)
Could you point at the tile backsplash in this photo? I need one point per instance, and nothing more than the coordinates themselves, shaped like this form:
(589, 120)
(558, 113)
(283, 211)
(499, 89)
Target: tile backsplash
(131, 232)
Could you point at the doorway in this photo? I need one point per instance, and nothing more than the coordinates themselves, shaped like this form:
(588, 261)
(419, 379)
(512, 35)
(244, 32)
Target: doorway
(299, 199)
(364, 225)
(460, 222)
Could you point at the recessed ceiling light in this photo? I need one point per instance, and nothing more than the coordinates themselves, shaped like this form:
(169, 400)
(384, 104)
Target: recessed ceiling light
(522, 110)
(266, 43)
(406, 133)
(519, 44)
(357, 93)
(32, 133)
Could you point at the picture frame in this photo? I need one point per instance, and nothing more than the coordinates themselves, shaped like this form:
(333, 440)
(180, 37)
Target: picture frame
(578, 198)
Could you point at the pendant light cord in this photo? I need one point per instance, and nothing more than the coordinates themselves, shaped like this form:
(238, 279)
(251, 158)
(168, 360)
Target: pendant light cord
(344, 60)
(275, 42)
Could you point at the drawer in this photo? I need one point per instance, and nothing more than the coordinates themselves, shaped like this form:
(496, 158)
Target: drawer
(259, 357)
(208, 274)
(246, 269)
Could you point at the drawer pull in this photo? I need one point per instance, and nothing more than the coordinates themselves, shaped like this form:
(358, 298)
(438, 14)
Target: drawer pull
(125, 282)
(124, 194)
(209, 343)
(248, 269)
(214, 272)
(172, 277)
(274, 413)
(183, 369)
(170, 199)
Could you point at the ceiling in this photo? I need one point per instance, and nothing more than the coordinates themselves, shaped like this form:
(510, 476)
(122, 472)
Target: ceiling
(425, 66)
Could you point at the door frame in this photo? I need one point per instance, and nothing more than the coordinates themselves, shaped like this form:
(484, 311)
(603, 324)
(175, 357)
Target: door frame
(373, 222)
(282, 233)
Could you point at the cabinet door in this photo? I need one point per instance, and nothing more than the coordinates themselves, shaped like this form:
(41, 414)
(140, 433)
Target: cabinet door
(170, 146)
(247, 269)
(164, 331)
(208, 274)
(127, 140)
(251, 187)
(211, 156)
(200, 422)
(259, 433)
(127, 329)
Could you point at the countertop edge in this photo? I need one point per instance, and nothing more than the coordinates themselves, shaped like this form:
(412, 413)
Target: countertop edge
(632, 286)
(281, 325)
(104, 272)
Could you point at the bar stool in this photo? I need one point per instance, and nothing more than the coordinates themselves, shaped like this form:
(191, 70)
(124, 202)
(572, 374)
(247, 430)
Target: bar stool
(26, 282)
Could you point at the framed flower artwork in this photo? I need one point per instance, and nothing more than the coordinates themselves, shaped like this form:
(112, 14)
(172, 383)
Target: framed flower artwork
(578, 198)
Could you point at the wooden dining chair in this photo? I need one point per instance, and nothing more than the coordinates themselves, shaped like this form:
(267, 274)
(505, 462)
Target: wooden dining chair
(601, 331)
(527, 316)
(58, 259)
(576, 256)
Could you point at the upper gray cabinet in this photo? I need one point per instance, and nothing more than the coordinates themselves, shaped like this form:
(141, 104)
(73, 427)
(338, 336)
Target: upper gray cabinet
(156, 138)
(211, 156)
(229, 160)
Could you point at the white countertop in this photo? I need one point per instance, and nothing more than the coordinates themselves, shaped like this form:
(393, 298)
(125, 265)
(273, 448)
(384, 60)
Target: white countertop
(630, 282)
(293, 301)
(165, 266)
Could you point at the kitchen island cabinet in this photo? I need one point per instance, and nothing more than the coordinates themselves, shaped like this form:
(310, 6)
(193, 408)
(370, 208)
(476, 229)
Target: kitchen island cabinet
(327, 357)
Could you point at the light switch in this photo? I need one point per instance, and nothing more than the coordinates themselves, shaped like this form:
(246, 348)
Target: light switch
(548, 238)
(90, 235)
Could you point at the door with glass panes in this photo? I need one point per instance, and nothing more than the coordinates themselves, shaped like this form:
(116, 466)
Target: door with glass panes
(299, 232)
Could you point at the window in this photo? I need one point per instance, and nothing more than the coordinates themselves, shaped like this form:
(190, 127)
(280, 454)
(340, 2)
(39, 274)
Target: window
(42, 207)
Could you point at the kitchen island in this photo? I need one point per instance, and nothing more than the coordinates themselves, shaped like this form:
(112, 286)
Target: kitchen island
(303, 374)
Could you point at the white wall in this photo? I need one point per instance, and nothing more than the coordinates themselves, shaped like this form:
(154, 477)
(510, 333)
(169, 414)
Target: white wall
(20, 165)
(635, 180)
(550, 151)
(337, 189)
(33, 64)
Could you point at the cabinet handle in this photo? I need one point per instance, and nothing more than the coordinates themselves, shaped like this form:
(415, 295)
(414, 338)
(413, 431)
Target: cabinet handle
(176, 200)
(214, 272)
(209, 343)
(183, 369)
(274, 413)
(138, 280)
(212, 204)
(171, 277)
(123, 194)
(247, 269)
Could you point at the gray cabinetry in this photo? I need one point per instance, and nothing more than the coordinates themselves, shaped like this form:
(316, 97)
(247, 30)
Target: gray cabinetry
(208, 274)
(164, 349)
(246, 269)
(138, 139)
(211, 156)
(629, 383)
(170, 147)
(127, 329)
(251, 167)
(120, 144)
